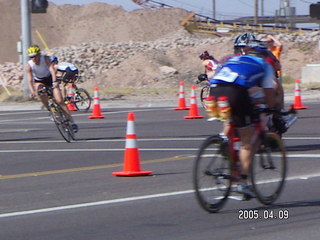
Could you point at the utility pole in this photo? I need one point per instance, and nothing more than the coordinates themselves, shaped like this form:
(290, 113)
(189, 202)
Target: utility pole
(255, 12)
(262, 8)
(214, 9)
(26, 40)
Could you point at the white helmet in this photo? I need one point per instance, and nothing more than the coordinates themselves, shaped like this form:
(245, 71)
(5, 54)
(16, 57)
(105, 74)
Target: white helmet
(243, 39)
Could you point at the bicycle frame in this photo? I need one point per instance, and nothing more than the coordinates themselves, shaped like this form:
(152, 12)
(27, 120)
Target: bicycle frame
(58, 115)
(234, 142)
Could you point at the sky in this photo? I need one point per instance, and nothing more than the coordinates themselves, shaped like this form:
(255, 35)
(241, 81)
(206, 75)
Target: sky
(225, 9)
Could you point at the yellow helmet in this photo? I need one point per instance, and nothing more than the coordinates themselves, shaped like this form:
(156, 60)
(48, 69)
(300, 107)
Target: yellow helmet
(33, 51)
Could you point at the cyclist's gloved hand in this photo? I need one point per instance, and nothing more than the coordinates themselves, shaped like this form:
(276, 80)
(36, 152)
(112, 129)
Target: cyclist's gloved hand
(203, 77)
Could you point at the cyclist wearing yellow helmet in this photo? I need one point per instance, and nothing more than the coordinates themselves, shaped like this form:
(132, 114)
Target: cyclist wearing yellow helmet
(41, 72)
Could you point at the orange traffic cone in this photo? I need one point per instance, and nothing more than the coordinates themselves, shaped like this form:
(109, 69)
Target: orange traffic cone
(182, 100)
(70, 105)
(96, 113)
(297, 97)
(131, 156)
(193, 112)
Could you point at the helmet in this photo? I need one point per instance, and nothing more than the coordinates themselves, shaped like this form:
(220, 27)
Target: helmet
(204, 55)
(243, 39)
(258, 47)
(53, 59)
(257, 44)
(33, 51)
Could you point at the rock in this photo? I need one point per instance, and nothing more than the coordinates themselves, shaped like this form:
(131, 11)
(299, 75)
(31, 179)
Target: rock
(168, 70)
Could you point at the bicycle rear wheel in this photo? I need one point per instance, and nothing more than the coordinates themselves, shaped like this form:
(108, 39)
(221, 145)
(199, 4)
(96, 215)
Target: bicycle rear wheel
(62, 123)
(212, 175)
(268, 169)
(82, 99)
(205, 92)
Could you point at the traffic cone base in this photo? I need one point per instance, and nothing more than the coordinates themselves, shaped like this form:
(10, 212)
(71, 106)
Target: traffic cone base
(96, 117)
(71, 107)
(193, 117)
(181, 108)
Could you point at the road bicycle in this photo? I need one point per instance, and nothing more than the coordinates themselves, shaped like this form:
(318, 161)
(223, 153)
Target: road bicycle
(79, 96)
(204, 93)
(58, 115)
(217, 166)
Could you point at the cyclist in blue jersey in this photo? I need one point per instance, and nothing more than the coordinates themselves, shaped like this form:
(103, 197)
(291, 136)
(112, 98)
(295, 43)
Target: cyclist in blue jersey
(233, 79)
(278, 123)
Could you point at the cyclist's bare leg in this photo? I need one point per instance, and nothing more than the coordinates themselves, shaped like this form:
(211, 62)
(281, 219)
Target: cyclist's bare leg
(63, 90)
(43, 98)
(58, 98)
(279, 94)
(246, 149)
(226, 127)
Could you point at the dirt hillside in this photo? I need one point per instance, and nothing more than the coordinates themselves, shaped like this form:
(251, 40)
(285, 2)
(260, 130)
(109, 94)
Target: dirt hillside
(71, 24)
(139, 49)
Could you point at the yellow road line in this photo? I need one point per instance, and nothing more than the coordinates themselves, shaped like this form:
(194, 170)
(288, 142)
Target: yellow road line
(90, 168)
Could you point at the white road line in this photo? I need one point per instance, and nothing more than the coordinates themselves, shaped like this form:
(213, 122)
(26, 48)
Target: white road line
(139, 140)
(95, 150)
(103, 140)
(74, 115)
(121, 200)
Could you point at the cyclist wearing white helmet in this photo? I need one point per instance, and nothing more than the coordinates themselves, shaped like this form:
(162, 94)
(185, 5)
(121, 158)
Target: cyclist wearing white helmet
(67, 71)
(233, 80)
(242, 41)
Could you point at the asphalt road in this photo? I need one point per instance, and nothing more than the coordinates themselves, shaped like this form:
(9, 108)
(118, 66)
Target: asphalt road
(51, 189)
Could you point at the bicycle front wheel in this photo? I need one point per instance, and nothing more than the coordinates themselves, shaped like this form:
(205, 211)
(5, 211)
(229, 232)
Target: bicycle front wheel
(212, 175)
(82, 100)
(268, 169)
(62, 123)
(205, 92)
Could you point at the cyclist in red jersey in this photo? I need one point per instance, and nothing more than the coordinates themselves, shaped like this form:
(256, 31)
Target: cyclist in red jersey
(210, 65)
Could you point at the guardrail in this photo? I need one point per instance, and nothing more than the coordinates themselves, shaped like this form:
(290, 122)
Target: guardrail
(195, 23)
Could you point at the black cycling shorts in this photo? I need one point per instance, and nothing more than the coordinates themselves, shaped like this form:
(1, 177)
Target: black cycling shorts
(46, 81)
(69, 74)
(239, 101)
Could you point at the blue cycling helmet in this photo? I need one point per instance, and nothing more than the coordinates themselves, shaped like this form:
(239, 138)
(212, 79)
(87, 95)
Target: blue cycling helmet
(53, 59)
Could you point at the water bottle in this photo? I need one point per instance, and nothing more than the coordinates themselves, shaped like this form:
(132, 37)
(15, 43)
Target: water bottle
(212, 108)
(224, 108)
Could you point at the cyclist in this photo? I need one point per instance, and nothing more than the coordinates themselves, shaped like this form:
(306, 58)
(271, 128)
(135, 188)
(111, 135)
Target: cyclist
(274, 45)
(240, 43)
(210, 65)
(67, 71)
(40, 73)
(233, 79)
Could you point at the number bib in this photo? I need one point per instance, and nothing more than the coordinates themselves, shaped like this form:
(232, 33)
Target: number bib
(225, 74)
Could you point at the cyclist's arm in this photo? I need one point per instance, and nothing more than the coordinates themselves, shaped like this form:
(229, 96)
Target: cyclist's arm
(268, 86)
(30, 80)
(210, 67)
(53, 68)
